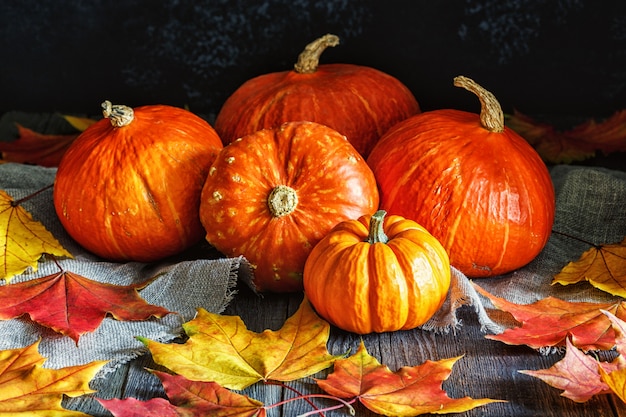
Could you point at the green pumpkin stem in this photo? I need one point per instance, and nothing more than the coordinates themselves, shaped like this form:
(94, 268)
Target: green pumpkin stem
(119, 115)
(491, 116)
(376, 232)
(309, 59)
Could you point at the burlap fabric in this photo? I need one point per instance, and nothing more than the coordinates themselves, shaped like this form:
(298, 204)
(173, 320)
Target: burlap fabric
(179, 286)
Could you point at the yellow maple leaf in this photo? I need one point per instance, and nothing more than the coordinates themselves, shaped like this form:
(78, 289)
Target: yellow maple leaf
(23, 240)
(28, 389)
(221, 349)
(604, 266)
(79, 123)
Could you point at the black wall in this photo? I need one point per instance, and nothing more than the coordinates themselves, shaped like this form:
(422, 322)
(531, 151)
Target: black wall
(543, 57)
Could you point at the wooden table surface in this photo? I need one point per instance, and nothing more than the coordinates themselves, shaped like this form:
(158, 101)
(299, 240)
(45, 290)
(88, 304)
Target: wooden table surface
(488, 369)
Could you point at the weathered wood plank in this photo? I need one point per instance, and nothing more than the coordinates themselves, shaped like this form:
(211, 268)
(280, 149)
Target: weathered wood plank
(487, 369)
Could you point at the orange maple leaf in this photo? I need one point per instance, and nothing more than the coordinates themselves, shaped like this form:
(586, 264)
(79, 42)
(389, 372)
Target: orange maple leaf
(550, 321)
(73, 305)
(576, 144)
(23, 240)
(410, 391)
(26, 388)
(188, 398)
(604, 266)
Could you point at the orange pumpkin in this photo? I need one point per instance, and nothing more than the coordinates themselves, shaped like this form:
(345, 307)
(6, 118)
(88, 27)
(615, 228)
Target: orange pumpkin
(475, 184)
(357, 101)
(377, 274)
(272, 195)
(128, 188)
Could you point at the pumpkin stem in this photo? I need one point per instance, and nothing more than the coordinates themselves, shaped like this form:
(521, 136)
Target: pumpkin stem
(282, 201)
(376, 233)
(119, 115)
(308, 60)
(491, 116)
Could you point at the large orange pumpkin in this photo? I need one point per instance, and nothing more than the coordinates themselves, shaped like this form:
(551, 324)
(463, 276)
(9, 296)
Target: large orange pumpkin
(475, 184)
(128, 188)
(272, 195)
(377, 274)
(358, 101)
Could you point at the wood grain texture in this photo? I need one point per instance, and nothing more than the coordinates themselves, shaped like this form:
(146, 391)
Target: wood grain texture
(487, 369)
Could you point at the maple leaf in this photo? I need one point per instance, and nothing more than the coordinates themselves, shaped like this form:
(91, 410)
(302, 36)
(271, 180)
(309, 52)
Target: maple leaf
(549, 321)
(73, 305)
(410, 391)
(221, 349)
(604, 266)
(576, 144)
(615, 379)
(23, 240)
(79, 123)
(36, 148)
(28, 389)
(188, 398)
(576, 374)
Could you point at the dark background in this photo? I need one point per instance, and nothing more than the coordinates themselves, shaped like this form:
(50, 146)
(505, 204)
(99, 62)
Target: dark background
(561, 58)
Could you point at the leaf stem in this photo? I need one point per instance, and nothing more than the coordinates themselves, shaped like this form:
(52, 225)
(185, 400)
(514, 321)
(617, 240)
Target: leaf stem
(16, 203)
(576, 238)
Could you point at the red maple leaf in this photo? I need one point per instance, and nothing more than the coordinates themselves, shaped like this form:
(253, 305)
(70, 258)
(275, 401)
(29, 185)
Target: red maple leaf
(73, 305)
(36, 148)
(550, 321)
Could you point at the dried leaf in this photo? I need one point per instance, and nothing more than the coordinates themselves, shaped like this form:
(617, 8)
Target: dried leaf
(576, 374)
(26, 388)
(73, 305)
(221, 349)
(22, 239)
(79, 123)
(550, 321)
(36, 148)
(577, 144)
(410, 391)
(188, 398)
(604, 266)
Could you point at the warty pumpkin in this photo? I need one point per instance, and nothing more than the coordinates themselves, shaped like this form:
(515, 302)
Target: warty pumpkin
(377, 274)
(272, 195)
(358, 101)
(475, 184)
(128, 188)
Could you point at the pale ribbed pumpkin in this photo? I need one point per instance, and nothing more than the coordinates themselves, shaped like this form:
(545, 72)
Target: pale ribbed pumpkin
(128, 188)
(475, 184)
(377, 274)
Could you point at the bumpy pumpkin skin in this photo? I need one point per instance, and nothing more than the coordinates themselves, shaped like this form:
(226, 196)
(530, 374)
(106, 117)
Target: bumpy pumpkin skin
(359, 102)
(330, 180)
(365, 287)
(132, 193)
(487, 196)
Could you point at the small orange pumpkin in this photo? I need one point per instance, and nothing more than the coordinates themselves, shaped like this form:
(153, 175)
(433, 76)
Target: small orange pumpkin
(128, 188)
(272, 195)
(377, 274)
(475, 184)
(358, 101)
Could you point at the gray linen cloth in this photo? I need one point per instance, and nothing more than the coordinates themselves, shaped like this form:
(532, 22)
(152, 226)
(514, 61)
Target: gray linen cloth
(590, 205)
(180, 286)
